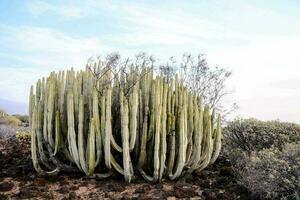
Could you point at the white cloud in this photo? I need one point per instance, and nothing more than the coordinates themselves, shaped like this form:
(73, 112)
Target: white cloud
(15, 82)
(258, 60)
(48, 47)
(69, 12)
(41, 50)
(265, 77)
(170, 27)
(258, 44)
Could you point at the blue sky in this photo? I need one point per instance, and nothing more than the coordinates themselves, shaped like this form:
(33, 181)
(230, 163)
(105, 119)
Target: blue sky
(258, 40)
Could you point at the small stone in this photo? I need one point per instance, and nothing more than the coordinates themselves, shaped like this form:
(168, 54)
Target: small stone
(72, 195)
(211, 196)
(171, 198)
(6, 186)
(40, 181)
(227, 171)
(169, 189)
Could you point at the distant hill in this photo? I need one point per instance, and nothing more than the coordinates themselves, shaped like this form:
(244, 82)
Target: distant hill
(12, 107)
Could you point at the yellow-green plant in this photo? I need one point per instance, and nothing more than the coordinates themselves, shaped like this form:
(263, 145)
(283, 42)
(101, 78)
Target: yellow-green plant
(104, 121)
(11, 120)
(23, 136)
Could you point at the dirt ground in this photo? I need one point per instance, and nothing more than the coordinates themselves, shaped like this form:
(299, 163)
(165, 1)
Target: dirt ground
(18, 180)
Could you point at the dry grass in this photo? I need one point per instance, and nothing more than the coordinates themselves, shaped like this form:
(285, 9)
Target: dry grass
(10, 120)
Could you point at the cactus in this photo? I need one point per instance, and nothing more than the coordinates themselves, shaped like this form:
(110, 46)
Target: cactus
(125, 123)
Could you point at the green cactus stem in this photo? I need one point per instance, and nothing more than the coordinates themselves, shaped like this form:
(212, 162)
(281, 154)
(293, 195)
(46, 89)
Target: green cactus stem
(106, 121)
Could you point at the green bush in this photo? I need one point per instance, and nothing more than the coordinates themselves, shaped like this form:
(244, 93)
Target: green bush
(22, 118)
(266, 156)
(254, 135)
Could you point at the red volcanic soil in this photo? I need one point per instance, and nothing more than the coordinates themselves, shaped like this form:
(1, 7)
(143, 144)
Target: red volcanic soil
(18, 180)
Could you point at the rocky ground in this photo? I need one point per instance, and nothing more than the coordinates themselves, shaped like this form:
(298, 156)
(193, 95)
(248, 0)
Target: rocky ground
(18, 180)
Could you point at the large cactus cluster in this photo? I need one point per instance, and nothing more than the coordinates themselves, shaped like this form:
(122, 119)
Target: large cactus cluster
(102, 123)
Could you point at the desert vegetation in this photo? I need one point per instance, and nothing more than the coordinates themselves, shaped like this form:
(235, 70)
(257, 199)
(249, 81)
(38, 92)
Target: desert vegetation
(139, 120)
(9, 124)
(114, 118)
(266, 157)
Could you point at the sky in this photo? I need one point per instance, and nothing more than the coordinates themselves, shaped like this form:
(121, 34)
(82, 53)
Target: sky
(258, 40)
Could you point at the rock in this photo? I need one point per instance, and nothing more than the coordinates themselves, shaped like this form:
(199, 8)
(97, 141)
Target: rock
(40, 181)
(143, 189)
(189, 178)
(211, 196)
(116, 187)
(222, 181)
(215, 182)
(140, 190)
(6, 186)
(168, 189)
(171, 198)
(135, 196)
(72, 195)
(185, 191)
(223, 196)
(206, 183)
(63, 190)
(27, 193)
(227, 171)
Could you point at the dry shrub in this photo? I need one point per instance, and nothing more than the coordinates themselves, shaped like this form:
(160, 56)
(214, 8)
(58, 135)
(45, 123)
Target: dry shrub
(266, 157)
(23, 118)
(271, 173)
(11, 120)
(255, 135)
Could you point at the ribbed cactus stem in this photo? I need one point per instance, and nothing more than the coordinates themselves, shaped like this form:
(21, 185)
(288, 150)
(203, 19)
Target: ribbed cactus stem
(92, 148)
(34, 127)
(96, 118)
(217, 140)
(57, 132)
(125, 137)
(45, 124)
(181, 132)
(190, 126)
(108, 129)
(163, 139)
(102, 118)
(38, 124)
(145, 84)
(50, 113)
(171, 160)
(71, 131)
(33, 140)
(195, 157)
(114, 144)
(181, 152)
(38, 91)
(81, 149)
(133, 116)
(207, 142)
(157, 141)
(101, 125)
(31, 104)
